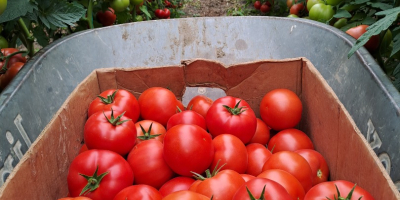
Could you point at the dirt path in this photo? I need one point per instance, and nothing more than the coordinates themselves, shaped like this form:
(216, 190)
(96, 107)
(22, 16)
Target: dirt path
(209, 8)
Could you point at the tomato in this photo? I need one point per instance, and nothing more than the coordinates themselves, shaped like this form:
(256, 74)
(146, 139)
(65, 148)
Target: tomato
(167, 13)
(257, 5)
(6, 78)
(136, 2)
(119, 100)
(148, 164)
(194, 185)
(200, 104)
(318, 165)
(294, 164)
(281, 109)
(83, 149)
(187, 149)
(333, 2)
(119, 5)
(176, 184)
(356, 32)
(258, 154)
(159, 13)
(296, 8)
(311, 3)
(148, 129)
(321, 12)
(75, 198)
(289, 140)
(3, 41)
(187, 117)
(293, 16)
(262, 133)
(340, 23)
(230, 152)
(102, 173)
(247, 177)
(258, 187)
(289, 3)
(185, 194)
(222, 186)
(139, 18)
(3, 6)
(233, 116)
(158, 104)
(265, 8)
(14, 58)
(138, 192)
(107, 17)
(328, 190)
(287, 180)
(103, 130)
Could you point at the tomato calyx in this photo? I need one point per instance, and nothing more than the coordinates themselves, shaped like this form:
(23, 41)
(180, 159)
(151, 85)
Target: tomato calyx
(115, 121)
(93, 181)
(146, 134)
(235, 110)
(7, 58)
(348, 196)
(261, 195)
(109, 99)
(209, 174)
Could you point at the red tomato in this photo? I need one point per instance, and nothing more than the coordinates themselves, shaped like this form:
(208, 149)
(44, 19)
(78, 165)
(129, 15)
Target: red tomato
(75, 198)
(262, 133)
(187, 117)
(185, 194)
(176, 184)
(194, 185)
(10, 74)
(222, 186)
(158, 104)
(119, 100)
(105, 131)
(289, 140)
(187, 149)
(258, 154)
(200, 104)
(106, 18)
(148, 165)
(83, 149)
(296, 9)
(318, 165)
(328, 190)
(106, 173)
(15, 58)
(258, 187)
(356, 32)
(294, 164)
(149, 130)
(231, 115)
(167, 13)
(281, 109)
(159, 13)
(230, 152)
(287, 180)
(247, 177)
(257, 5)
(138, 192)
(265, 8)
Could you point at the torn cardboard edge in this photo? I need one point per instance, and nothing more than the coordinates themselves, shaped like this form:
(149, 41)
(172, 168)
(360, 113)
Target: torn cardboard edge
(324, 118)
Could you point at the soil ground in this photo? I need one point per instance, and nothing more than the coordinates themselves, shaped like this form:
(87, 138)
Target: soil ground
(209, 8)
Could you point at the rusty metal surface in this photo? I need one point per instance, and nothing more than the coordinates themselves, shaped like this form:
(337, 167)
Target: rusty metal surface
(49, 77)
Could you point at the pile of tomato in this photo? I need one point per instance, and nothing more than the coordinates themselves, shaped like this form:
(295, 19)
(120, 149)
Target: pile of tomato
(152, 147)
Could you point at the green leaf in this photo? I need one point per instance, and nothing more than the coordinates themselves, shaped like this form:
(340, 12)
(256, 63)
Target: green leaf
(358, 16)
(342, 14)
(396, 74)
(368, 20)
(376, 28)
(123, 17)
(40, 35)
(145, 11)
(396, 45)
(16, 9)
(379, 5)
(359, 1)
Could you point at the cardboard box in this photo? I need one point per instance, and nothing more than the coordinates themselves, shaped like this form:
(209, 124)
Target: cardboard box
(42, 172)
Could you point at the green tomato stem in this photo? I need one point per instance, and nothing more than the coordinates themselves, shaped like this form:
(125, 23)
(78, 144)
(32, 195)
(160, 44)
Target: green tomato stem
(90, 14)
(26, 37)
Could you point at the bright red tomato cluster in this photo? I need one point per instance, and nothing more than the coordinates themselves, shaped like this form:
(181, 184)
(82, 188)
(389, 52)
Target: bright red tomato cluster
(152, 148)
(14, 65)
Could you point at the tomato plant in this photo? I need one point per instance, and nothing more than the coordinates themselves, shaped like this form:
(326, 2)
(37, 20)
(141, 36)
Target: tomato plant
(261, 188)
(176, 184)
(328, 190)
(289, 140)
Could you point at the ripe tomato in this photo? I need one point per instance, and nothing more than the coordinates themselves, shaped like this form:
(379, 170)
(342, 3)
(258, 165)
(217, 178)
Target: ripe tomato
(159, 13)
(262, 133)
(176, 184)
(328, 190)
(265, 8)
(107, 17)
(83, 149)
(257, 5)
(318, 165)
(138, 192)
(258, 154)
(103, 173)
(289, 140)
(158, 104)
(105, 131)
(185, 194)
(222, 186)
(11, 72)
(356, 32)
(229, 151)
(194, 185)
(287, 180)
(247, 177)
(119, 100)
(14, 58)
(167, 13)
(149, 129)
(294, 164)
(75, 198)
(281, 109)
(262, 187)
(187, 149)
(296, 8)
(119, 5)
(233, 116)
(200, 104)
(148, 164)
(187, 117)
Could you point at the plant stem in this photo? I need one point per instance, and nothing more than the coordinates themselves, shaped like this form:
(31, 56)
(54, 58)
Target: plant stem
(90, 14)
(26, 37)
